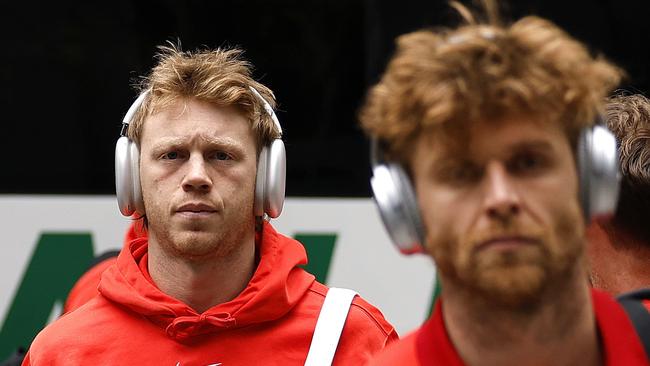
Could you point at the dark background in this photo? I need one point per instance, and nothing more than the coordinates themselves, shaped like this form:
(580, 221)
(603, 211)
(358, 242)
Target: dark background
(66, 70)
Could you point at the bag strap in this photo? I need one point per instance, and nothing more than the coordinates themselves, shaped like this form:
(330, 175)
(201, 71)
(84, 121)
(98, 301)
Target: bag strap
(638, 314)
(329, 326)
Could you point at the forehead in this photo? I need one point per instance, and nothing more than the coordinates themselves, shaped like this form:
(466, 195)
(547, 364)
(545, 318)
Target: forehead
(487, 138)
(193, 118)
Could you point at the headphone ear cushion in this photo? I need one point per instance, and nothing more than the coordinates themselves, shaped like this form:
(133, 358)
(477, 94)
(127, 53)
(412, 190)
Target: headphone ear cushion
(397, 206)
(276, 173)
(260, 183)
(598, 171)
(138, 202)
(123, 176)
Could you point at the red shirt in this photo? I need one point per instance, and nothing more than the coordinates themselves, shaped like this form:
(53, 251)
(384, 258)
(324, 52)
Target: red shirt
(430, 345)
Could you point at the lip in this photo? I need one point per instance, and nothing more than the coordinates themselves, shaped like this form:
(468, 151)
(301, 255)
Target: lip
(506, 243)
(196, 209)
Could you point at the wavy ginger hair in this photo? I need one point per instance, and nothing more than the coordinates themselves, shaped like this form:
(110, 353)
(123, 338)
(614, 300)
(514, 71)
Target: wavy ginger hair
(220, 77)
(484, 71)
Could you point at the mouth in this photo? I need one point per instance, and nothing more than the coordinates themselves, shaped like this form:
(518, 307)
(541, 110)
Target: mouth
(506, 243)
(196, 209)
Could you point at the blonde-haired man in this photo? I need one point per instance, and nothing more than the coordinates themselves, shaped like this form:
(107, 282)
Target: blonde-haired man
(484, 120)
(213, 283)
(619, 245)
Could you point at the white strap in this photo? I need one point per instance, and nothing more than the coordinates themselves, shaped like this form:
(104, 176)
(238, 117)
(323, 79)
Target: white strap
(329, 326)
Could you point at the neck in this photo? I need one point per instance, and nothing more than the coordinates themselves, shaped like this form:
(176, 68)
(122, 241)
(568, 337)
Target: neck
(618, 259)
(561, 331)
(203, 283)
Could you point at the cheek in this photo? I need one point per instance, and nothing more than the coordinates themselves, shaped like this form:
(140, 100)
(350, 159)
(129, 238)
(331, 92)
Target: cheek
(558, 208)
(569, 227)
(154, 186)
(239, 186)
(442, 222)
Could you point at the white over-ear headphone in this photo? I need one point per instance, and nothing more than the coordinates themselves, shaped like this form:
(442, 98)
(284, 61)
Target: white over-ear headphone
(598, 171)
(269, 184)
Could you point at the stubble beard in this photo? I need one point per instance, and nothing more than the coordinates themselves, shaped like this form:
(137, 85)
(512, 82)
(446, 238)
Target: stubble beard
(197, 243)
(517, 280)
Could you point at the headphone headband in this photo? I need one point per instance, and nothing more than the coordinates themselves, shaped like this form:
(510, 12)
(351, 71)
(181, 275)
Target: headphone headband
(128, 117)
(268, 109)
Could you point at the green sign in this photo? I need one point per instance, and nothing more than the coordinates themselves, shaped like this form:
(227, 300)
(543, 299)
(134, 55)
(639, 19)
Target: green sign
(57, 262)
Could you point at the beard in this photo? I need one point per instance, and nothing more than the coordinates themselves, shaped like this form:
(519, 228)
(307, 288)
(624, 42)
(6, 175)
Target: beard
(201, 241)
(515, 279)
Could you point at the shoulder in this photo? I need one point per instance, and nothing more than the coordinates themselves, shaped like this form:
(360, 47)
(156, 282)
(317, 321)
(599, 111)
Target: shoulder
(365, 333)
(66, 332)
(362, 315)
(86, 286)
(402, 352)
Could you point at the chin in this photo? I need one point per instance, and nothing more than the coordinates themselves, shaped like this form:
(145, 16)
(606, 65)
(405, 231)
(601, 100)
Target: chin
(197, 244)
(516, 287)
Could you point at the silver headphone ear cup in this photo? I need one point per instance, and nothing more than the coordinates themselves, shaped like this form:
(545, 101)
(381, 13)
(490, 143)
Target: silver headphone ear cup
(410, 204)
(397, 207)
(603, 176)
(260, 182)
(137, 201)
(598, 167)
(123, 178)
(276, 173)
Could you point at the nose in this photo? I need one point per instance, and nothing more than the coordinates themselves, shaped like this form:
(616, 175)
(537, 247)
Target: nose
(502, 200)
(197, 177)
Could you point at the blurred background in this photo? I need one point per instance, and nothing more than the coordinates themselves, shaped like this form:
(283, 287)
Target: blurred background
(67, 67)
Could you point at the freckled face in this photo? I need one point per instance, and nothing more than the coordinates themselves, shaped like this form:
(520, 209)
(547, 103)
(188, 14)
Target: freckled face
(501, 212)
(197, 169)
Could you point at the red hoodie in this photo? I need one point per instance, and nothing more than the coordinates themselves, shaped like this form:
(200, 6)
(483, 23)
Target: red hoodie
(271, 322)
(86, 286)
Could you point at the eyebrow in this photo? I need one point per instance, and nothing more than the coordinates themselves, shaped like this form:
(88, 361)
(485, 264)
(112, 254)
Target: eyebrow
(533, 145)
(457, 155)
(217, 142)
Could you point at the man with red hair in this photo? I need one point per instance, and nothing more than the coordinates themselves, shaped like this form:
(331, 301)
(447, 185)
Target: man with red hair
(476, 133)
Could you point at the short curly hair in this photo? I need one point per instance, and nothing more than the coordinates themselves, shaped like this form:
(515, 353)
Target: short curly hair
(628, 117)
(218, 76)
(482, 72)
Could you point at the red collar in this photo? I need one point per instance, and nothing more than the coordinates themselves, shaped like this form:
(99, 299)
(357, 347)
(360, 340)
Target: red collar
(619, 342)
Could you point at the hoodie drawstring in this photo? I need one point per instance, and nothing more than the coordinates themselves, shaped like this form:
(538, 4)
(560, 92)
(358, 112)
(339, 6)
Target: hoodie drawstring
(185, 326)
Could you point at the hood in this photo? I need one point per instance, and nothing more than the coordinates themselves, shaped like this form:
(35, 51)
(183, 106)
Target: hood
(275, 288)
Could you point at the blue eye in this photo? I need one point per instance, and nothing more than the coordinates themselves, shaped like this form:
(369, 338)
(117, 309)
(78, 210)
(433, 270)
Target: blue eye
(220, 155)
(172, 155)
